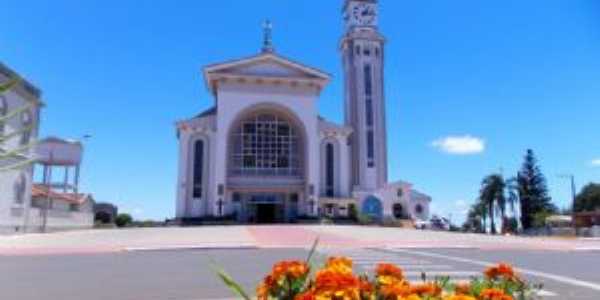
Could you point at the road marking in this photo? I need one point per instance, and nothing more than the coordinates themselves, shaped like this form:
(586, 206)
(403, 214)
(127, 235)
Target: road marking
(544, 293)
(559, 278)
(408, 267)
(191, 247)
(587, 249)
(462, 274)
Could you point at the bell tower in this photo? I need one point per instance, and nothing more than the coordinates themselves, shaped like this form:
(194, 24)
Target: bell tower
(362, 48)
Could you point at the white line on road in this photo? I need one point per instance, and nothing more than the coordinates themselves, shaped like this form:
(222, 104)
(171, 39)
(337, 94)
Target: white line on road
(559, 278)
(191, 247)
(544, 293)
(587, 249)
(462, 274)
(413, 266)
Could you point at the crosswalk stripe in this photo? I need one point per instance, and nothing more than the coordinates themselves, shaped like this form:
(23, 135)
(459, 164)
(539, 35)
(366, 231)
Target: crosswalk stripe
(544, 293)
(395, 261)
(462, 274)
(413, 267)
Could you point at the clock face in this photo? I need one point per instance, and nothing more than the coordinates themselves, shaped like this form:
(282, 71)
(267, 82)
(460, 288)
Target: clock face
(364, 14)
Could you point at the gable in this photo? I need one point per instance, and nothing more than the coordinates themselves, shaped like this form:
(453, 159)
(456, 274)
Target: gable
(265, 66)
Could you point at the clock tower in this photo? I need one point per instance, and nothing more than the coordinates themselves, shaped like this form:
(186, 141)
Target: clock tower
(362, 48)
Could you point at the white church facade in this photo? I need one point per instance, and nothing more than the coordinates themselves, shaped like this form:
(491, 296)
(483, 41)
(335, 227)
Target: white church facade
(263, 154)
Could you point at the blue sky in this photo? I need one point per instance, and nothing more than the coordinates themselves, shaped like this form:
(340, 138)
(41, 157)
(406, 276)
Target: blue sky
(514, 74)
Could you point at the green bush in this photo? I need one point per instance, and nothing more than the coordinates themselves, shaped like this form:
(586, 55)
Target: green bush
(365, 219)
(352, 212)
(123, 220)
(539, 219)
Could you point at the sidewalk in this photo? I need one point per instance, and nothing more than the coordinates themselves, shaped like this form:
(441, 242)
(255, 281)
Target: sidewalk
(273, 236)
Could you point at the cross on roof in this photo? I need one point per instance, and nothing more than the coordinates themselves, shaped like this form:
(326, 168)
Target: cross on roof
(268, 37)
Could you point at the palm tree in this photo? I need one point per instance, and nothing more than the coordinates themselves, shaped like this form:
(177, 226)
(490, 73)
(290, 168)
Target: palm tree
(512, 186)
(482, 211)
(513, 195)
(492, 195)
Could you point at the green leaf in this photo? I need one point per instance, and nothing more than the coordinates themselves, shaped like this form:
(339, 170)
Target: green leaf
(17, 166)
(230, 282)
(7, 86)
(15, 112)
(313, 249)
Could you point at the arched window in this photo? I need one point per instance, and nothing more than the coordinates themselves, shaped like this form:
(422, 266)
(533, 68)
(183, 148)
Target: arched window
(19, 189)
(369, 115)
(373, 208)
(3, 112)
(419, 209)
(198, 169)
(398, 211)
(329, 170)
(26, 122)
(266, 144)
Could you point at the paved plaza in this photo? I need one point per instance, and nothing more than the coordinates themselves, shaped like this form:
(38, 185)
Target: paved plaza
(275, 236)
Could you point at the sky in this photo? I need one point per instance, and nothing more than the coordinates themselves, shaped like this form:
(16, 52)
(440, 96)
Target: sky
(470, 85)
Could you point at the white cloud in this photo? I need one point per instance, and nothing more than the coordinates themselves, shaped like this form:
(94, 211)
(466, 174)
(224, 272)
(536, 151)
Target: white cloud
(595, 163)
(461, 203)
(137, 212)
(460, 145)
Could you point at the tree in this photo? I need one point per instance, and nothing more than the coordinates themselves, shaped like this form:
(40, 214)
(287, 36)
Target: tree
(122, 220)
(352, 212)
(513, 195)
(474, 219)
(492, 196)
(532, 191)
(588, 199)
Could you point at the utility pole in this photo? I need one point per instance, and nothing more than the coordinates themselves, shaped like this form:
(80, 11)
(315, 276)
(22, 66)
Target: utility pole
(47, 181)
(571, 177)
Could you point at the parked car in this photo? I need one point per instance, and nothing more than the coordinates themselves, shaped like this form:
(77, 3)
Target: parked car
(438, 223)
(422, 224)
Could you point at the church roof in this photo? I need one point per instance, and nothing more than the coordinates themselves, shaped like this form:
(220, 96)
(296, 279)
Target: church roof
(29, 91)
(266, 65)
(330, 127)
(209, 112)
(42, 191)
(414, 194)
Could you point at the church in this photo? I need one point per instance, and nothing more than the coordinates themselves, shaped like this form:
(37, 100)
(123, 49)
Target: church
(263, 154)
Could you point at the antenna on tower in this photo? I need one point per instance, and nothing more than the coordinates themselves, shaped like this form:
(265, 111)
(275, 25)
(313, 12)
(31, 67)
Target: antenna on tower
(268, 37)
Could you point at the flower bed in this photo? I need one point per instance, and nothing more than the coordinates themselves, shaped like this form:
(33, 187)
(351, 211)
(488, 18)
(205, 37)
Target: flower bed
(295, 280)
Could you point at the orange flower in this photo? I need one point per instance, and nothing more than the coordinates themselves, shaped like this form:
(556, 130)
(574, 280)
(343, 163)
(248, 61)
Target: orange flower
(339, 264)
(502, 270)
(426, 289)
(388, 274)
(367, 290)
(262, 292)
(494, 294)
(462, 289)
(290, 270)
(306, 296)
(396, 290)
(460, 297)
(330, 284)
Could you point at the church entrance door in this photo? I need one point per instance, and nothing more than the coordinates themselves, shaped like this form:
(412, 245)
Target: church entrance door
(266, 208)
(265, 213)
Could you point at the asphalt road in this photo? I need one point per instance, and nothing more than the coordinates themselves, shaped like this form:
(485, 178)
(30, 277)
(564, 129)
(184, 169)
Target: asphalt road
(186, 275)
